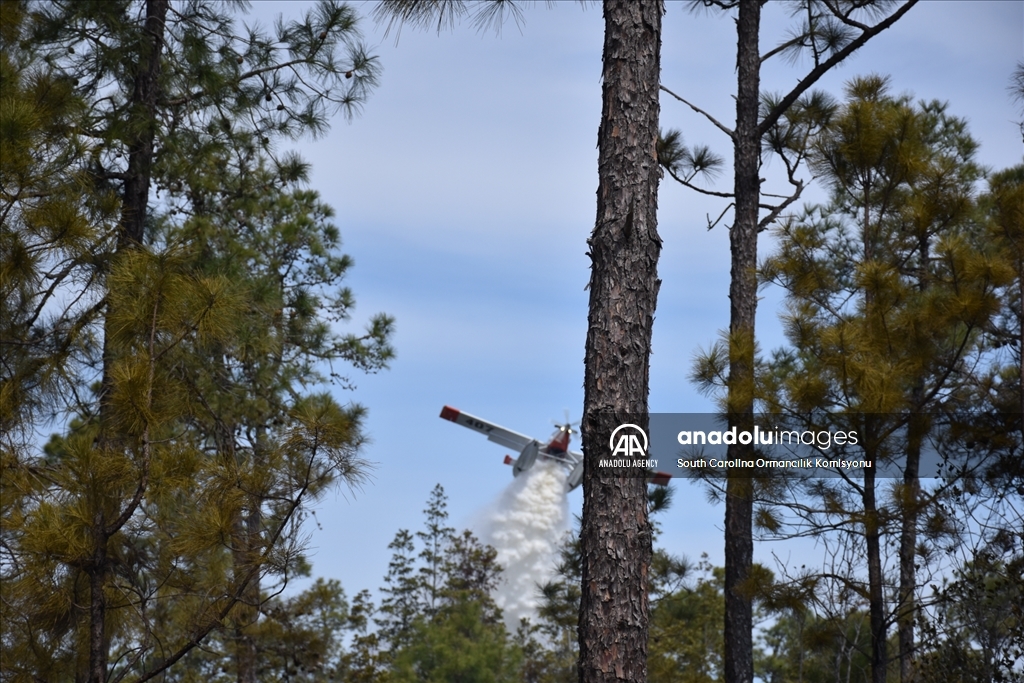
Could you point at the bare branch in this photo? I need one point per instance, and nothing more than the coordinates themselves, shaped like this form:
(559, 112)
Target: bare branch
(720, 216)
(776, 211)
(697, 109)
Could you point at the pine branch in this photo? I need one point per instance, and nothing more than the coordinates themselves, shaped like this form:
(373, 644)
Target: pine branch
(869, 32)
(687, 183)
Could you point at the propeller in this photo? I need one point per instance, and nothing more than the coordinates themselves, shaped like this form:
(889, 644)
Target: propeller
(568, 425)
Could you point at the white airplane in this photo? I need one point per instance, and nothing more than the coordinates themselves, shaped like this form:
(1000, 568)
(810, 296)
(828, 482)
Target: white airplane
(530, 449)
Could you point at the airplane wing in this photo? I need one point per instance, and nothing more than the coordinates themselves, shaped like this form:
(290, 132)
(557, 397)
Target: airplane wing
(493, 432)
(529, 449)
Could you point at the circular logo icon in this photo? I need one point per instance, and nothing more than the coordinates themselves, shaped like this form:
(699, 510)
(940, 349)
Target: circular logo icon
(627, 443)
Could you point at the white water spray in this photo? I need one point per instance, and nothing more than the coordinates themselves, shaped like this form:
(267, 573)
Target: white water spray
(526, 527)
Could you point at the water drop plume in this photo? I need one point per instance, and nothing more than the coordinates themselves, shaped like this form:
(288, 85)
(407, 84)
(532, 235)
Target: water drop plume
(526, 526)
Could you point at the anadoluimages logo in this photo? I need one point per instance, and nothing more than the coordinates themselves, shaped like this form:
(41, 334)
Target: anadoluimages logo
(628, 443)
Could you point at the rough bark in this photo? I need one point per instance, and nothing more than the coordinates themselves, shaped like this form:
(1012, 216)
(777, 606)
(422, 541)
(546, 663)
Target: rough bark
(134, 203)
(738, 655)
(872, 522)
(143, 125)
(739, 505)
(98, 571)
(876, 598)
(910, 497)
(624, 248)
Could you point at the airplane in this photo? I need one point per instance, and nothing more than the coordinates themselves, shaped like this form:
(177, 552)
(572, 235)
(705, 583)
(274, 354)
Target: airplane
(556, 449)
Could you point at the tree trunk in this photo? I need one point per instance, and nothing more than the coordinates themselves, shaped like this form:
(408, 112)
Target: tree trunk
(142, 114)
(910, 497)
(247, 611)
(739, 504)
(615, 533)
(97, 572)
(134, 203)
(246, 557)
(876, 598)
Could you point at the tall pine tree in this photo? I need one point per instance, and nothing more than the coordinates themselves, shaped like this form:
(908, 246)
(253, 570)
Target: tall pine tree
(783, 125)
(888, 291)
(166, 472)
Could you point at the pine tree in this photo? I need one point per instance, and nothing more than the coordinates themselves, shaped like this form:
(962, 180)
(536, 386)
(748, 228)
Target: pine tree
(284, 250)
(782, 125)
(686, 631)
(1004, 206)
(888, 290)
(163, 476)
(437, 539)
(52, 220)
(364, 661)
(298, 638)
(802, 646)
(438, 621)
(624, 249)
(549, 642)
(460, 644)
(976, 627)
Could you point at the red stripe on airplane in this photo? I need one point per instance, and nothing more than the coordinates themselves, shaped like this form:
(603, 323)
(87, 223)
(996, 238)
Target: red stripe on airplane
(660, 478)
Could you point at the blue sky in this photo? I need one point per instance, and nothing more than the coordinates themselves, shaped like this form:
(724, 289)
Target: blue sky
(465, 193)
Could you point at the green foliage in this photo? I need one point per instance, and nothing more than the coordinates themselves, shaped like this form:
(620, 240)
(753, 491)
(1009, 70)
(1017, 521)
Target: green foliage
(403, 590)
(886, 284)
(436, 539)
(437, 621)
(977, 629)
(214, 73)
(297, 639)
(549, 643)
(802, 646)
(462, 642)
(365, 661)
(893, 289)
(686, 642)
(173, 295)
(685, 163)
(53, 222)
(441, 15)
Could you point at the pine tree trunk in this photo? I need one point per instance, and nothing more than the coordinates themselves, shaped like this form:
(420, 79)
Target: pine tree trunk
(142, 113)
(910, 497)
(134, 203)
(97, 572)
(247, 611)
(910, 502)
(615, 533)
(739, 506)
(876, 599)
(246, 558)
(872, 523)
